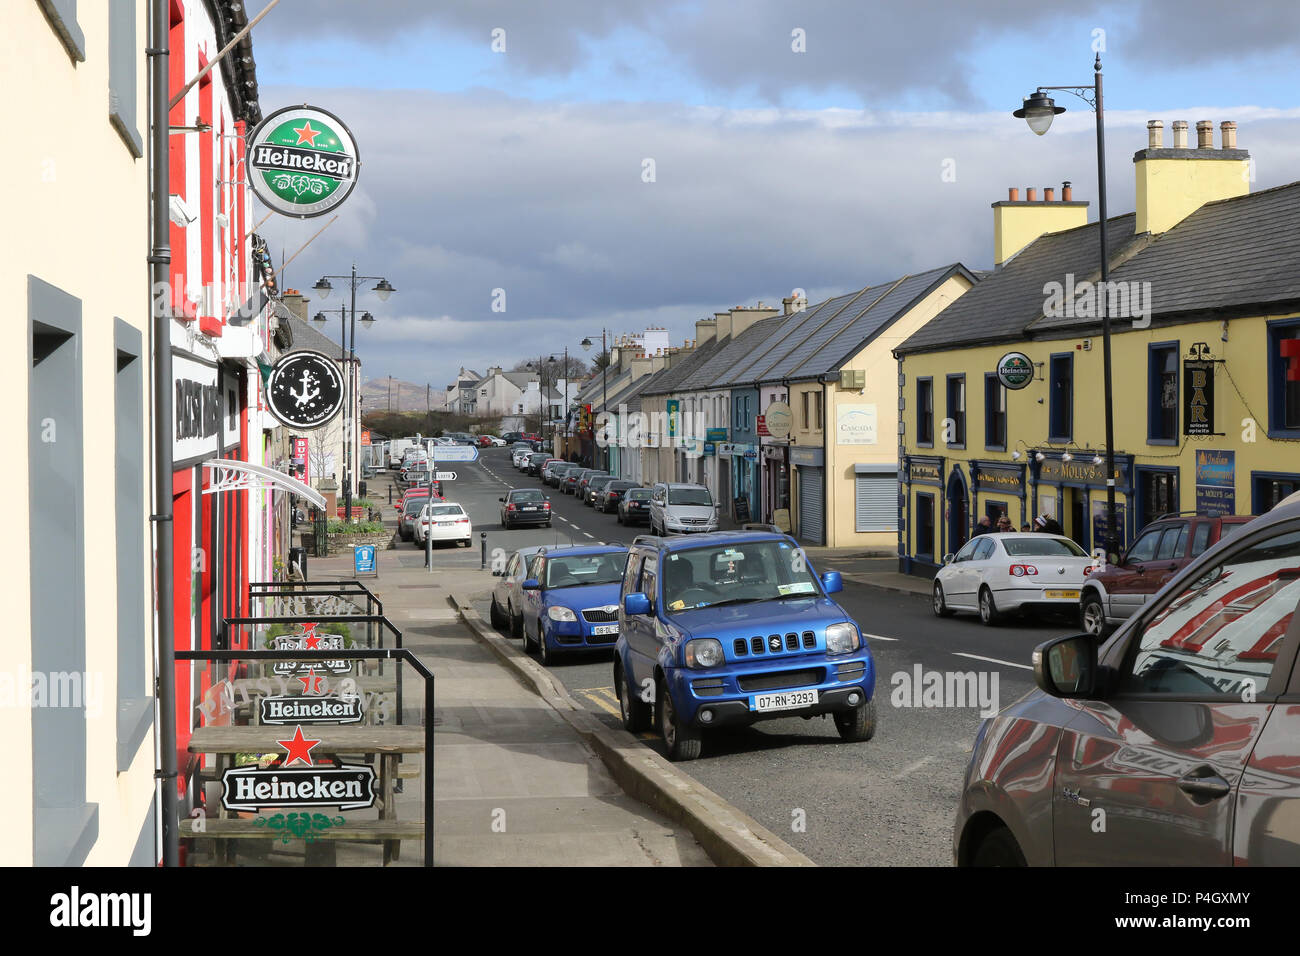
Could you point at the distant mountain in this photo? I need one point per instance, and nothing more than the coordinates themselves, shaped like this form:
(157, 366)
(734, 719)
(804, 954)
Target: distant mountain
(384, 394)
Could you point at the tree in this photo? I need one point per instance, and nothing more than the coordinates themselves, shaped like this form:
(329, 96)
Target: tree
(550, 372)
(600, 361)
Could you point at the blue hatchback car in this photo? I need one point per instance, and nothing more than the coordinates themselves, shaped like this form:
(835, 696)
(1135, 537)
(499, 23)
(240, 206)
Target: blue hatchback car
(570, 599)
(731, 628)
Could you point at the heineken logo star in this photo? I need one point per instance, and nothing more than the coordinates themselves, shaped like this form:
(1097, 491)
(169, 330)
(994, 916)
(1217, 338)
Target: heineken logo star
(298, 748)
(310, 682)
(312, 643)
(306, 134)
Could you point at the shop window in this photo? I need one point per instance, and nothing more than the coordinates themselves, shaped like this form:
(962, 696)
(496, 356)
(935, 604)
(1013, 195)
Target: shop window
(925, 526)
(995, 413)
(1162, 393)
(1061, 392)
(1284, 379)
(925, 412)
(1157, 495)
(1270, 489)
(956, 410)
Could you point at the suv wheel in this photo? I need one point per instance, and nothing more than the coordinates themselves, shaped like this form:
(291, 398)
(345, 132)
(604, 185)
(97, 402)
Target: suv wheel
(857, 724)
(1092, 616)
(683, 743)
(988, 610)
(998, 848)
(941, 608)
(636, 712)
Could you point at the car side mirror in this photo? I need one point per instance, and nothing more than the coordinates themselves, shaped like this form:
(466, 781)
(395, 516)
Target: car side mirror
(1066, 666)
(949, 558)
(501, 499)
(636, 603)
(832, 582)
(532, 584)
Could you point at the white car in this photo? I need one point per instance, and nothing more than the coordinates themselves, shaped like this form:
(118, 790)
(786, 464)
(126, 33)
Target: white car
(443, 521)
(519, 456)
(997, 573)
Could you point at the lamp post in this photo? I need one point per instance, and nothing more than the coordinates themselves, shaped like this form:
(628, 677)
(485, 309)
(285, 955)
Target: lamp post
(383, 289)
(550, 362)
(1038, 111)
(604, 390)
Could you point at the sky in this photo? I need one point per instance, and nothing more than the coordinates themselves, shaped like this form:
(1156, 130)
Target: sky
(613, 166)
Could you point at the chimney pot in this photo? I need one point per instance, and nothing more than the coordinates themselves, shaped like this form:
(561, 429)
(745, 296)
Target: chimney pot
(1049, 194)
(1066, 192)
(1228, 129)
(1013, 194)
(1204, 134)
(1180, 134)
(1031, 194)
(1155, 134)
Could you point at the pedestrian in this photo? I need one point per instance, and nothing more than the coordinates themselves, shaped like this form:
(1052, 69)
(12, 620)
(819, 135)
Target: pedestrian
(1026, 527)
(984, 526)
(1004, 524)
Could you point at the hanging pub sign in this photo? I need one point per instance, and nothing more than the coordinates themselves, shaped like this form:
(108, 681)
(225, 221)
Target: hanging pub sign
(346, 786)
(1015, 370)
(1198, 393)
(302, 161)
(304, 389)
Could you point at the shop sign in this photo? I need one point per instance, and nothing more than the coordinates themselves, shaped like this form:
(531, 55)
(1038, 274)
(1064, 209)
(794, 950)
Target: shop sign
(1198, 397)
(774, 452)
(1015, 370)
(1216, 482)
(674, 408)
(311, 710)
(304, 389)
(346, 786)
(302, 161)
(810, 457)
(1099, 521)
(298, 453)
(1055, 470)
(855, 424)
(1005, 478)
(197, 409)
(777, 418)
(925, 469)
(715, 434)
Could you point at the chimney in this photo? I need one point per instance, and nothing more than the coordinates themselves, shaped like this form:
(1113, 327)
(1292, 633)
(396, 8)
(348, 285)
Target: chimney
(1067, 194)
(640, 364)
(1049, 194)
(793, 303)
(722, 325)
(742, 319)
(296, 303)
(1172, 183)
(1017, 223)
(1155, 134)
(704, 330)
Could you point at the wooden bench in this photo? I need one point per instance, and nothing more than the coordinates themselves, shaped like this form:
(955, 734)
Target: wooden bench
(387, 832)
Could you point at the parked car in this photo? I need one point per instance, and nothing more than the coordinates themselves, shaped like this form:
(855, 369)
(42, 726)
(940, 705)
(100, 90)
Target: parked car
(732, 628)
(524, 506)
(1175, 733)
(1004, 572)
(571, 599)
(519, 454)
(612, 494)
(1162, 549)
(535, 462)
(513, 437)
(444, 521)
(409, 511)
(682, 508)
(569, 482)
(554, 471)
(635, 506)
(582, 488)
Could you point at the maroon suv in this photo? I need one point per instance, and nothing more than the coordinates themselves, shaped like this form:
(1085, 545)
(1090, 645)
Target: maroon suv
(1116, 592)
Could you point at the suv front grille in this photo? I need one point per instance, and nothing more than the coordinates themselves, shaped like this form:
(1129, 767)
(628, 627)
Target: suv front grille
(779, 679)
(599, 615)
(774, 644)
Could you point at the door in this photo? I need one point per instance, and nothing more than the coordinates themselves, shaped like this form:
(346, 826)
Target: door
(640, 630)
(812, 505)
(959, 582)
(957, 513)
(1149, 775)
(1128, 588)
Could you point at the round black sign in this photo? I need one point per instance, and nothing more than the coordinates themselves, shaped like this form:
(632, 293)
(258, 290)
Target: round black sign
(305, 389)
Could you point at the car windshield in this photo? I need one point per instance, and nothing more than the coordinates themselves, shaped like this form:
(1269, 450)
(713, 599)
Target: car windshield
(1042, 546)
(736, 574)
(528, 495)
(689, 496)
(583, 569)
(442, 511)
(638, 494)
(415, 504)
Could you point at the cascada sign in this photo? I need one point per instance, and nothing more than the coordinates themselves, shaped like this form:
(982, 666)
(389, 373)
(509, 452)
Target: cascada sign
(302, 161)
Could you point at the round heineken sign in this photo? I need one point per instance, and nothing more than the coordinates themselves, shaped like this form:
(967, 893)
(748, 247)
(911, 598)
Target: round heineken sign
(302, 161)
(1015, 370)
(304, 389)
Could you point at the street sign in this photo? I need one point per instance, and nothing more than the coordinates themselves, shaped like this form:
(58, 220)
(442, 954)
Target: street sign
(455, 453)
(445, 476)
(302, 161)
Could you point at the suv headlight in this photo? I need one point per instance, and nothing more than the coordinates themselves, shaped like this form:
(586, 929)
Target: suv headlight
(703, 652)
(558, 613)
(841, 638)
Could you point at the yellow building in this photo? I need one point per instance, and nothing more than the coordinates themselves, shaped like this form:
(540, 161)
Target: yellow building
(1204, 299)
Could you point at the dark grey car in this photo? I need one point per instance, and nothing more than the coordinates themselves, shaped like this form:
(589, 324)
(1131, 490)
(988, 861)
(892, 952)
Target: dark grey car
(1176, 742)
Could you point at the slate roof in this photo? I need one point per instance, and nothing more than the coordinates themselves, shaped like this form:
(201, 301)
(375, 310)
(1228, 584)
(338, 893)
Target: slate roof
(306, 338)
(734, 350)
(670, 378)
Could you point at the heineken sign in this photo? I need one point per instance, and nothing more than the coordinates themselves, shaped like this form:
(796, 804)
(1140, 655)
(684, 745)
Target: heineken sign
(311, 710)
(1015, 371)
(302, 161)
(346, 786)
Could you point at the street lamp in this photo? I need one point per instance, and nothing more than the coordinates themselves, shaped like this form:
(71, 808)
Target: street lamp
(383, 289)
(549, 365)
(604, 390)
(1038, 111)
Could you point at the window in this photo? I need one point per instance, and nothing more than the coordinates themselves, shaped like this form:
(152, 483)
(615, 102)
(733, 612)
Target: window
(925, 526)
(821, 423)
(1061, 391)
(1162, 393)
(925, 412)
(1144, 549)
(967, 552)
(1201, 540)
(956, 411)
(649, 576)
(1173, 543)
(122, 87)
(1219, 635)
(1284, 379)
(983, 548)
(805, 409)
(995, 413)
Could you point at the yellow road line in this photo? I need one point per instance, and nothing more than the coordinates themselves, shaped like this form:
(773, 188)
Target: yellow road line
(596, 696)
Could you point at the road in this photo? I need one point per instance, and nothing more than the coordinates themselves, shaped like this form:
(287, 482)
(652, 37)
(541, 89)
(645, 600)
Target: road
(889, 801)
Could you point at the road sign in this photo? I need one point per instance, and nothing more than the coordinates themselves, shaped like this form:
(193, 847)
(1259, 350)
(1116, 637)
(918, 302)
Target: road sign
(455, 453)
(445, 476)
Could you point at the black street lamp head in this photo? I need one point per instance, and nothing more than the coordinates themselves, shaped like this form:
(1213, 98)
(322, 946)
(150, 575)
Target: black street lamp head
(1039, 111)
(586, 344)
(367, 319)
(383, 289)
(318, 317)
(323, 287)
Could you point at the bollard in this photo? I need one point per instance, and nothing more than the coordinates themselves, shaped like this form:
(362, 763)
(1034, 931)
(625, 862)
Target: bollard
(390, 492)
(483, 560)
(428, 543)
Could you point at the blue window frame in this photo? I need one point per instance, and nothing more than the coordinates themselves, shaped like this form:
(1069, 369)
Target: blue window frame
(1283, 395)
(925, 412)
(1060, 384)
(1267, 488)
(956, 410)
(995, 413)
(1162, 393)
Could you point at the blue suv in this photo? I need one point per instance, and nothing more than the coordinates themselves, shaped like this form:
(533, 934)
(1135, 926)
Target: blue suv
(734, 627)
(570, 599)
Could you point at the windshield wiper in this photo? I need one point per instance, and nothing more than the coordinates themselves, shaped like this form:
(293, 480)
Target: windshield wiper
(748, 600)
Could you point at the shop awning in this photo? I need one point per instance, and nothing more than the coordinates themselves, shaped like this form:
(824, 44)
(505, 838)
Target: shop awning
(228, 475)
